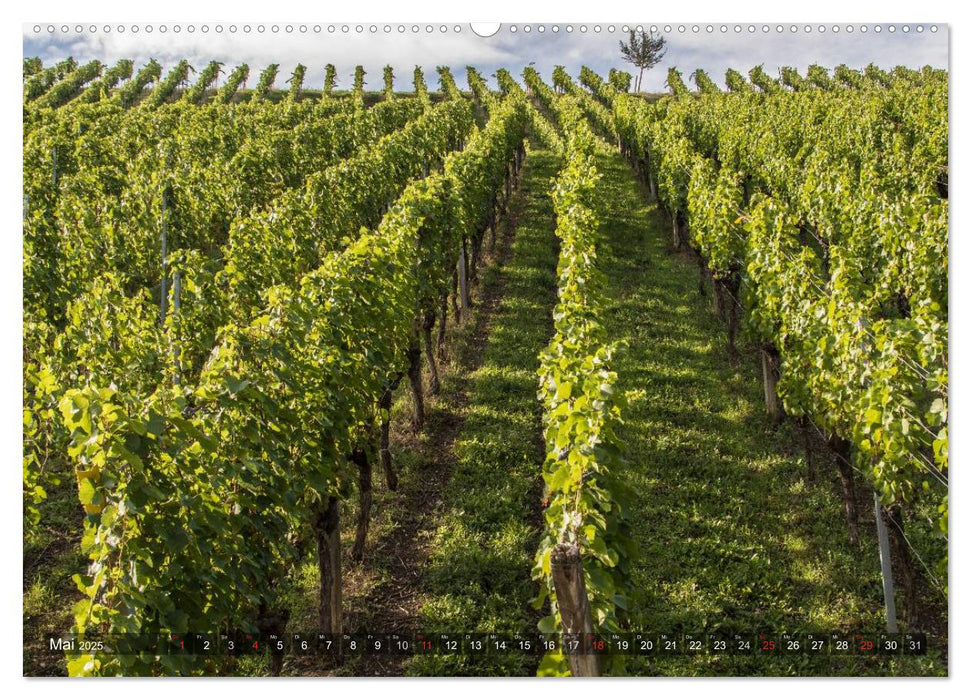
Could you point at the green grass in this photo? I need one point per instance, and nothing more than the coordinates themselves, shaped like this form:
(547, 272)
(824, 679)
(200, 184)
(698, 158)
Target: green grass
(52, 555)
(730, 532)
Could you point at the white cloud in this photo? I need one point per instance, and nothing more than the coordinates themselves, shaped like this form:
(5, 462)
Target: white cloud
(714, 52)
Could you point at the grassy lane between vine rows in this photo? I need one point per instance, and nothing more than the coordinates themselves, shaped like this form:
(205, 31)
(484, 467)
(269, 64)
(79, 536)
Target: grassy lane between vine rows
(478, 575)
(452, 549)
(52, 555)
(732, 535)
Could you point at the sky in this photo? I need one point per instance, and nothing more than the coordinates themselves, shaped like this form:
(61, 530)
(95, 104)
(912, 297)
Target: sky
(690, 46)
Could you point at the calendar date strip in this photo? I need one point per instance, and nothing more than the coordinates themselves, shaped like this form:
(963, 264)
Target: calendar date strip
(632, 644)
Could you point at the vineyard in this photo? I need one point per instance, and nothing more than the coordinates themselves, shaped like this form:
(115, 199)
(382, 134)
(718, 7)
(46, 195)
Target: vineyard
(533, 361)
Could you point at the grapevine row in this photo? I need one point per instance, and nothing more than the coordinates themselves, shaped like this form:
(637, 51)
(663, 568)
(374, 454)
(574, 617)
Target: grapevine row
(823, 214)
(582, 563)
(219, 486)
(112, 332)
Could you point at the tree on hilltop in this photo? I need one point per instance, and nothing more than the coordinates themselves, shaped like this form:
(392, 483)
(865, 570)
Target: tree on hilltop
(644, 50)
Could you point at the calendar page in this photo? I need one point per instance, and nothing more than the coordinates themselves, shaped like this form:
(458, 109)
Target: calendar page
(469, 349)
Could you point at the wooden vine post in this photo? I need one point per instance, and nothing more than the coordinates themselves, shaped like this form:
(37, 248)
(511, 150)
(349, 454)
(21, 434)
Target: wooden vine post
(463, 271)
(442, 327)
(428, 323)
(770, 380)
(717, 303)
(176, 350)
(843, 456)
(574, 606)
(165, 252)
(730, 286)
(492, 227)
(384, 404)
(365, 494)
(413, 355)
(328, 533)
(508, 186)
